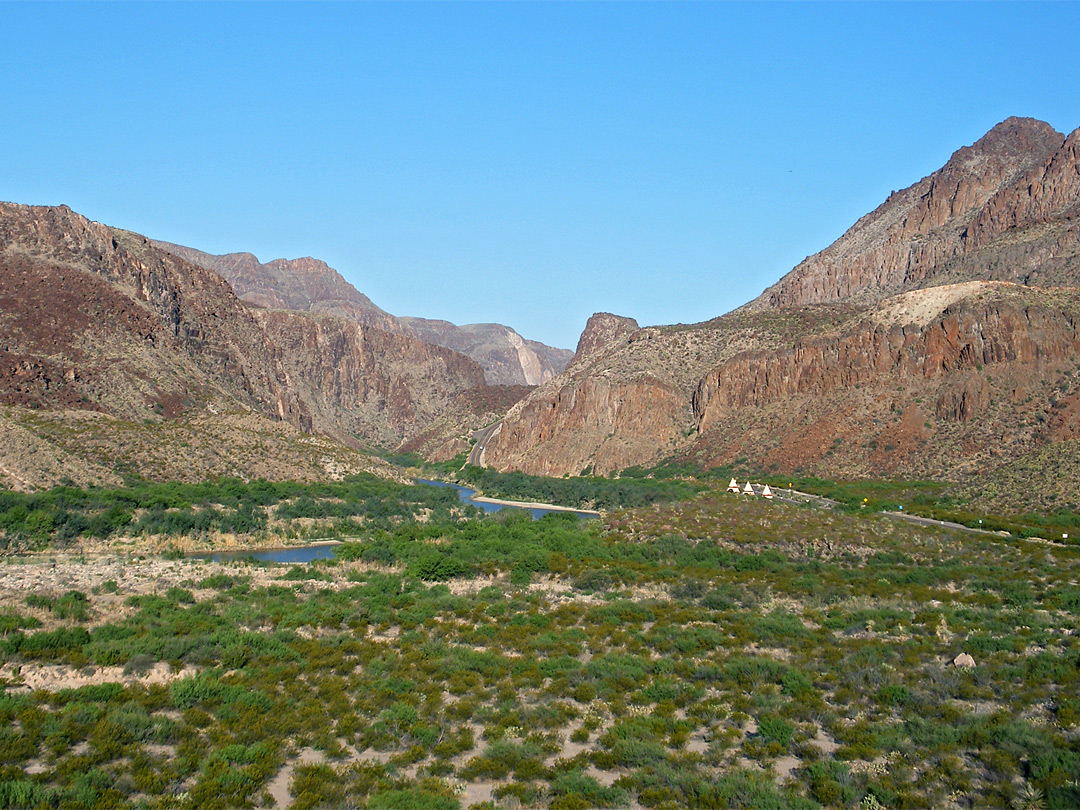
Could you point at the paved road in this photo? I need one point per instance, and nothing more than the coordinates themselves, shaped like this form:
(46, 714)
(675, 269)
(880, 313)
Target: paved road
(482, 436)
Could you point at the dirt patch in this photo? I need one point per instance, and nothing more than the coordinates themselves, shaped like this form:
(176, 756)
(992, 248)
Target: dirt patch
(477, 793)
(278, 788)
(55, 677)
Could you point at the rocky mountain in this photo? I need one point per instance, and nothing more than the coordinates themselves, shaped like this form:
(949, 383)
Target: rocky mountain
(951, 226)
(95, 319)
(303, 285)
(937, 337)
(506, 357)
(312, 286)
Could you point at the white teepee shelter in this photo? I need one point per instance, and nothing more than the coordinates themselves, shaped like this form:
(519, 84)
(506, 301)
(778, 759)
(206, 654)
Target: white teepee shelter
(748, 489)
(766, 492)
(733, 486)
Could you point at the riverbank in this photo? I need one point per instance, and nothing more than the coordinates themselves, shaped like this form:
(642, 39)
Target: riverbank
(531, 505)
(473, 496)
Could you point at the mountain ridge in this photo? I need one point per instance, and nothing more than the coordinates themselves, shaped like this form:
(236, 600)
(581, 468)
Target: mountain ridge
(944, 317)
(311, 285)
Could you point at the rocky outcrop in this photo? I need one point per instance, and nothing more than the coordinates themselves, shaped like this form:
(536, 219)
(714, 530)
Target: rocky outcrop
(601, 331)
(591, 424)
(1047, 192)
(506, 357)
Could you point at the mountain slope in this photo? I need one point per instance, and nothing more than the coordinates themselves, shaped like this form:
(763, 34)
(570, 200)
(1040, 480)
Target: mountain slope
(98, 319)
(917, 344)
(1015, 180)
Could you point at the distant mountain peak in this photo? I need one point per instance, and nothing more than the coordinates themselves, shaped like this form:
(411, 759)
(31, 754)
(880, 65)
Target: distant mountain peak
(303, 285)
(311, 285)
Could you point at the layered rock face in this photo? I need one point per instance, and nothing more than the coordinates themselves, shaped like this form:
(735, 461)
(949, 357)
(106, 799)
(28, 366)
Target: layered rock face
(929, 340)
(93, 318)
(964, 378)
(966, 335)
(506, 357)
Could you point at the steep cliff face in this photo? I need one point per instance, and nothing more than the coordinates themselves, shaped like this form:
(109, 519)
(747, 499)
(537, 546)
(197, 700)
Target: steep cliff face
(591, 424)
(602, 330)
(506, 357)
(966, 335)
(363, 383)
(911, 238)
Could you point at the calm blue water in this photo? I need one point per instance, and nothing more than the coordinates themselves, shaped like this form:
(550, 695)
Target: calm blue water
(306, 554)
(303, 554)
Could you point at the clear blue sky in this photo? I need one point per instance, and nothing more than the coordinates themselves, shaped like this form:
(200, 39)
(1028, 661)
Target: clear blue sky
(526, 163)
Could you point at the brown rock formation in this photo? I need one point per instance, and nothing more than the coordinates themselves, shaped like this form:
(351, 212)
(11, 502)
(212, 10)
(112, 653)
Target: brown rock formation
(99, 319)
(594, 424)
(601, 331)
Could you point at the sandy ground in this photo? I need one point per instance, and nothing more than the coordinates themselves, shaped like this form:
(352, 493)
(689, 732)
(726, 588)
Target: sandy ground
(279, 785)
(534, 505)
(52, 677)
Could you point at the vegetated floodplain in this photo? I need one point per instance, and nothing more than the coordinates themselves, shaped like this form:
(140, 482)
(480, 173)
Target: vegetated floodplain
(264, 512)
(718, 652)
